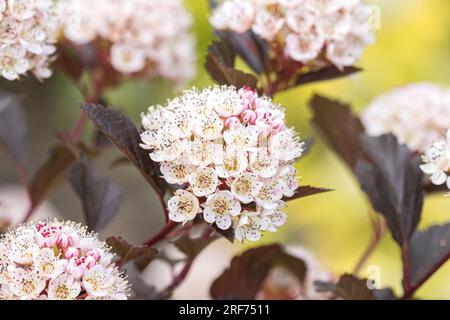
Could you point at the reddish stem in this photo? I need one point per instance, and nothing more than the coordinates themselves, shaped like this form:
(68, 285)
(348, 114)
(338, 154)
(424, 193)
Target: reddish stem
(161, 235)
(409, 292)
(406, 268)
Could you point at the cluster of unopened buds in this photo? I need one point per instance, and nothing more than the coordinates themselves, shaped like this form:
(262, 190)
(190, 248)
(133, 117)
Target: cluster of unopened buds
(57, 261)
(313, 32)
(231, 154)
(417, 114)
(28, 32)
(436, 161)
(142, 38)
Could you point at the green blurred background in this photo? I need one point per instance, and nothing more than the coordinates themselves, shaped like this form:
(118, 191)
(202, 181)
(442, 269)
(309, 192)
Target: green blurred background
(412, 45)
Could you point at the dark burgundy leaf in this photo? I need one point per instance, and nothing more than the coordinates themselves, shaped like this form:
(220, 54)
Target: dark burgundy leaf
(218, 65)
(428, 251)
(385, 294)
(351, 288)
(13, 129)
(51, 173)
(247, 272)
(192, 247)
(121, 131)
(99, 197)
(392, 180)
(249, 46)
(306, 191)
(327, 73)
(227, 234)
(339, 127)
(141, 255)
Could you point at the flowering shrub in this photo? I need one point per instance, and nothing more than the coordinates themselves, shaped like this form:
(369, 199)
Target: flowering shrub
(231, 152)
(28, 33)
(417, 114)
(57, 261)
(219, 160)
(143, 38)
(314, 32)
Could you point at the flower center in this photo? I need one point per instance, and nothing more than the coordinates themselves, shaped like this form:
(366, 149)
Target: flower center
(221, 206)
(62, 292)
(186, 205)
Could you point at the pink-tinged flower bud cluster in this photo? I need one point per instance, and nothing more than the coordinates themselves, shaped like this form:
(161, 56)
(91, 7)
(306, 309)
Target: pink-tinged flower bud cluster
(417, 114)
(54, 260)
(313, 32)
(144, 38)
(28, 31)
(231, 154)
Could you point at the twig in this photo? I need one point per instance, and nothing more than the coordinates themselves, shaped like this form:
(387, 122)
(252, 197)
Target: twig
(161, 235)
(412, 289)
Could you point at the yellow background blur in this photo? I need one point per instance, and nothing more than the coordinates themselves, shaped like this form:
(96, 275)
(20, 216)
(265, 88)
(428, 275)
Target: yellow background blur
(412, 45)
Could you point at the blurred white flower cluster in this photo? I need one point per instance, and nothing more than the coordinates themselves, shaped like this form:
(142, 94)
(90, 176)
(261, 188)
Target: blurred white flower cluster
(145, 37)
(14, 206)
(417, 114)
(437, 161)
(230, 152)
(313, 32)
(28, 32)
(57, 261)
(282, 285)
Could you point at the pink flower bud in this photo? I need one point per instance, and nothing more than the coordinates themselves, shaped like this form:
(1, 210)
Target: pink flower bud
(90, 262)
(93, 253)
(247, 97)
(64, 241)
(262, 114)
(71, 253)
(248, 116)
(263, 128)
(76, 271)
(49, 241)
(231, 121)
(278, 125)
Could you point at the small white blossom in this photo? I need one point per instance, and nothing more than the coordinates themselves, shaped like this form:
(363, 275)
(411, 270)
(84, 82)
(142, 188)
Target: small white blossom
(176, 171)
(246, 186)
(220, 208)
(234, 162)
(249, 227)
(183, 206)
(65, 287)
(204, 181)
(437, 161)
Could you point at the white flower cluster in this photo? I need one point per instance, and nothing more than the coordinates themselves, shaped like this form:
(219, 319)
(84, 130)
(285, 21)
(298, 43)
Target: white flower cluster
(437, 161)
(28, 31)
(230, 152)
(417, 114)
(145, 37)
(309, 31)
(52, 260)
